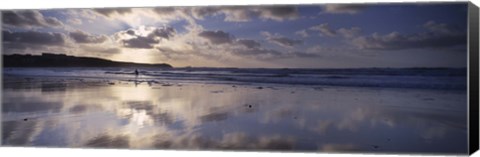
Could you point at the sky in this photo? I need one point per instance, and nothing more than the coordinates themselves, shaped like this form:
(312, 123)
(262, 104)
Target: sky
(264, 36)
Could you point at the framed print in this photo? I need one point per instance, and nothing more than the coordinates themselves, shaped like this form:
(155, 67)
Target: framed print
(391, 78)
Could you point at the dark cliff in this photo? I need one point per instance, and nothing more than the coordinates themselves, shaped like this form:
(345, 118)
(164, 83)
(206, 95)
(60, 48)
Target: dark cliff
(60, 60)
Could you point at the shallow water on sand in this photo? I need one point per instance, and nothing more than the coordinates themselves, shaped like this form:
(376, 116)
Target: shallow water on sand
(68, 112)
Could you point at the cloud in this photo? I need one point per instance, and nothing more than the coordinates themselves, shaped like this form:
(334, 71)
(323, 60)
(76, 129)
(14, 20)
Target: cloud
(163, 32)
(328, 50)
(108, 12)
(101, 49)
(437, 36)
(110, 50)
(349, 32)
(281, 41)
(221, 37)
(217, 37)
(29, 18)
(302, 33)
(286, 42)
(74, 21)
(225, 42)
(324, 30)
(33, 42)
(278, 13)
(258, 52)
(86, 38)
(320, 49)
(170, 53)
(438, 27)
(167, 14)
(201, 12)
(164, 10)
(36, 38)
(144, 37)
(246, 13)
(343, 8)
(266, 53)
(222, 43)
(139, 42)
(248, 43)
(199, 44)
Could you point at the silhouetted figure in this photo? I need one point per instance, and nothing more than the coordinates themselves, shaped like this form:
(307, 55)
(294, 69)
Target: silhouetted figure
(136, 76)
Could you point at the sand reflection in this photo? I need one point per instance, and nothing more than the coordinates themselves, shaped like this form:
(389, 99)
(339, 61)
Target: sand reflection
(119, 114)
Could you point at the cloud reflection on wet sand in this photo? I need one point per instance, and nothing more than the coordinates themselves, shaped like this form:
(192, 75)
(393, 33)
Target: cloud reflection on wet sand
(92, 113)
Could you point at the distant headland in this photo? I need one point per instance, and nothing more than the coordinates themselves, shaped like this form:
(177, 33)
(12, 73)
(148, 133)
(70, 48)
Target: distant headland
(62, 60)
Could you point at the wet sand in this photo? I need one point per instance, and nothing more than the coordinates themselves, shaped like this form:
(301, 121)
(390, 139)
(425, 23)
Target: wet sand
(143, 114)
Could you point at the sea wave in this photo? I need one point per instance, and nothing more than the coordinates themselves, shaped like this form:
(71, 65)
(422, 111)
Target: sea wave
(424, 78)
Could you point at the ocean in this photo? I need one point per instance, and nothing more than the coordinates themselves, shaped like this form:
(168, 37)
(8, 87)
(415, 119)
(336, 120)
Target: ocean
(424, 78)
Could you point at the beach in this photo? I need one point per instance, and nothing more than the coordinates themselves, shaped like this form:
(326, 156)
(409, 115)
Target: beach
(140, 113)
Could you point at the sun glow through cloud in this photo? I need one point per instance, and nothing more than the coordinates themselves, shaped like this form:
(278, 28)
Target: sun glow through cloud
(315, 36)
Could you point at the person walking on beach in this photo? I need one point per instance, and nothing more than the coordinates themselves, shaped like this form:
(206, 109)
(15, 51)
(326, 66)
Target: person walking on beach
(136, 76)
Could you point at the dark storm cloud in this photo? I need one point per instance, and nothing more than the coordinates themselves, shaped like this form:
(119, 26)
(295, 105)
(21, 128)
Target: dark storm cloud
(36, 38)
(217, 37)
(343, 8)
(148, 41)
(84, 37)
(110, 11)
(248, 43)
(29, 18)
(437, 36)
(246, 13)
